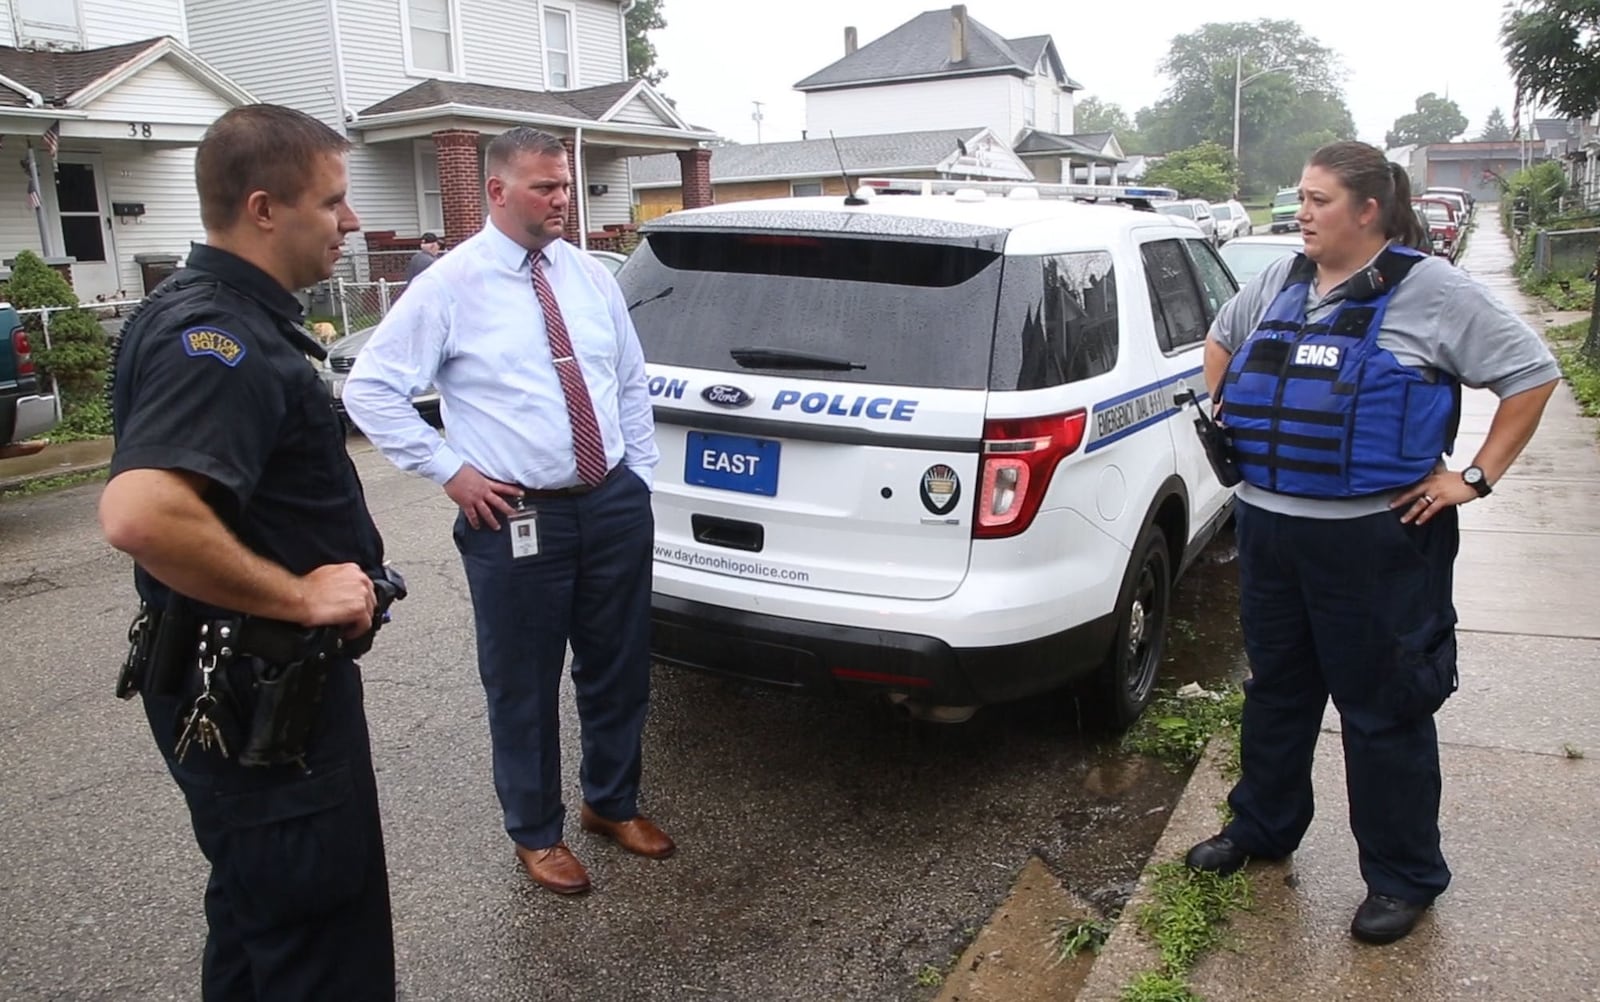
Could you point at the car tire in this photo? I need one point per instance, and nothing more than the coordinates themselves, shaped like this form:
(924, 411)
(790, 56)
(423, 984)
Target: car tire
(1126, 682)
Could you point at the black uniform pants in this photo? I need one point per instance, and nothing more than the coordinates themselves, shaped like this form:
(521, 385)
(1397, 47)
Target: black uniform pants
(298, 901)
(1359, 609)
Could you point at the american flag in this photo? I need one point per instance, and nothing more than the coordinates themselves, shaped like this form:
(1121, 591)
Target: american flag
(52, 138)
(33, 194)
(1516, 116)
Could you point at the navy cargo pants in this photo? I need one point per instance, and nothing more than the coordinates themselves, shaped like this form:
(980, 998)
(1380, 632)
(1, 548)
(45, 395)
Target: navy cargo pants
(298, 901)
(1359, 609)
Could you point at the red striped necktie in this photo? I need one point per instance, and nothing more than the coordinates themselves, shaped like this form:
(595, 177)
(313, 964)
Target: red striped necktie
(587, 444)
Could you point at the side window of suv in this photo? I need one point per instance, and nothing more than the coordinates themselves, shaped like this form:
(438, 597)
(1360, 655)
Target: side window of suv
(1216, 285)
(1175, 301)
(1057, 321)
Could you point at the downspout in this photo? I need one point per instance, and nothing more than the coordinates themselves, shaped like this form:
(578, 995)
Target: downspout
(340, 97)
(622, 24)
(579, 190)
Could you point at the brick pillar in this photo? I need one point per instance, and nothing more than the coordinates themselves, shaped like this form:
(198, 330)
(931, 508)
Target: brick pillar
(696, 168)
(460, 183)
(572, 202)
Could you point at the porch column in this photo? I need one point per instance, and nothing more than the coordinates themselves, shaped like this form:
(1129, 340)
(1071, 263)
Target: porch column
(572, 221)
(460, 183)
(696, 169)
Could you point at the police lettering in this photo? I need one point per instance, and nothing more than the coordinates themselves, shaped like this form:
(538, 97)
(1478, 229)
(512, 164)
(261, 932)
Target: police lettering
(1325, 355)
(729, 462)
(839, 405)
(204, 341)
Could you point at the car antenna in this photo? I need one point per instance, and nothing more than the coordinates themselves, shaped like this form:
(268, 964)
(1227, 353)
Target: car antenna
(849, 198)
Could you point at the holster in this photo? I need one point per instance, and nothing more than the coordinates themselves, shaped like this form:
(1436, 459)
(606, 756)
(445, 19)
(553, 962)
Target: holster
(1215, 439)
(161, 650)
(288, 668)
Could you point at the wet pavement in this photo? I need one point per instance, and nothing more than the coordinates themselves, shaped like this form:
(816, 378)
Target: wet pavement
(828, 850)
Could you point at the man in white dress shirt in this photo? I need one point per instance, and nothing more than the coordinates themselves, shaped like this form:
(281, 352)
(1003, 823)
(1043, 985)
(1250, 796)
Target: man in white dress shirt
(550, 455)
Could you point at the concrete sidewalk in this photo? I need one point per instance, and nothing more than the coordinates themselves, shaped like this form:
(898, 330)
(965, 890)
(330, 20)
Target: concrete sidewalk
(1520, 818)
(56, 460)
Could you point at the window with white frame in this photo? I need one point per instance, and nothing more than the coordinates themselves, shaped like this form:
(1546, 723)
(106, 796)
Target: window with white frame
(805, 189)
(432, 35)
(558, 48)
(430, 195)
(1030, 100)
(47, 21)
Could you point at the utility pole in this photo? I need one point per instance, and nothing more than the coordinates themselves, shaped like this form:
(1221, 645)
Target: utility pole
(757, 117)
(1239, 82)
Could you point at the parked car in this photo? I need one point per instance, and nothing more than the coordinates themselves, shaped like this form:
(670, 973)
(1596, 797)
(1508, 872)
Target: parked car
(1444, 225)
(1197, 210)
(1465, 195)
(1232, 220)
(610, 259)
(1463, 213)
(1248, 256)
(921, 447)
(25, 412)
(1285, 207)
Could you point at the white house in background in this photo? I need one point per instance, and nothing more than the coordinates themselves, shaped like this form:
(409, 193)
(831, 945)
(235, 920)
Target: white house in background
(132, 101)
(420, 86)
(944, 69)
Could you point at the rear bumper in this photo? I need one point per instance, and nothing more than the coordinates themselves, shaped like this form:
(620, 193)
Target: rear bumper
(827, 658)
(32, 416)
(1285, 225)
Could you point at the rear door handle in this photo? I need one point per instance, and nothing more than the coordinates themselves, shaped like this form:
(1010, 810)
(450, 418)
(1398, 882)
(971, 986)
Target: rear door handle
(727, 532)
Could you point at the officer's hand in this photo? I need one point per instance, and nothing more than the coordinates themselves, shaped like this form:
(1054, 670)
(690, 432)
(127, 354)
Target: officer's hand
(339, 595)
(479, 498)
(1443, 489)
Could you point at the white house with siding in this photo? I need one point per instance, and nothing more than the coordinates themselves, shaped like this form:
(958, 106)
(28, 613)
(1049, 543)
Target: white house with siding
(131, 101)
(420, 86)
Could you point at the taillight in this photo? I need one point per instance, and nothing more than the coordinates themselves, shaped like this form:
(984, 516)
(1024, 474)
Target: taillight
(23, 350)
(1019, 457)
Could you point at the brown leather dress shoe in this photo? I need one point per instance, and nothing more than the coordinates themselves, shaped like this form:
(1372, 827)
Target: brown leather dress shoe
(554, 868)
(638, 834)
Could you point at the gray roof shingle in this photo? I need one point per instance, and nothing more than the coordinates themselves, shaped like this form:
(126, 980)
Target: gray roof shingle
(588, 103)
(1082, 145)
(921, 48)
(813, 157)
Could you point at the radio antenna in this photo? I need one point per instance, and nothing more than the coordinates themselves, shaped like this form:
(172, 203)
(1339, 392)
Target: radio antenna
(849, 197)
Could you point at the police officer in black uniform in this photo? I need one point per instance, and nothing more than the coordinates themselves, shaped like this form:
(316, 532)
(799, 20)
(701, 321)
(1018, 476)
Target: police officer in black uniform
(231, 489)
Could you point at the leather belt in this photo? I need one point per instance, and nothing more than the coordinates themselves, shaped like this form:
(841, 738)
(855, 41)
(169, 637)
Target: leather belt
(574, 491)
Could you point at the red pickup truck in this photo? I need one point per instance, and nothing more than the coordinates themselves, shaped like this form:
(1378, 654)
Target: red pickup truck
(25, 412)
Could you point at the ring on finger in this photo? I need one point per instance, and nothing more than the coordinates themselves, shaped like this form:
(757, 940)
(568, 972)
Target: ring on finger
(1427, 499)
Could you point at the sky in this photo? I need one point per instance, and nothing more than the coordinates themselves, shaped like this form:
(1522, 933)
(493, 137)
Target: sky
(720, 56)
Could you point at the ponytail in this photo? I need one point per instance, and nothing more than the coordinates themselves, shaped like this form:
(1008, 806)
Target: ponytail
(1402, 224)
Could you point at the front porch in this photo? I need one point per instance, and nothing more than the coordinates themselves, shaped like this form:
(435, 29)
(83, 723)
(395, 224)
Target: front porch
(110, 135)
(446, 127)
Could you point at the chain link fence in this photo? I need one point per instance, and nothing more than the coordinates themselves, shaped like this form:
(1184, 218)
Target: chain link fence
(363, 288)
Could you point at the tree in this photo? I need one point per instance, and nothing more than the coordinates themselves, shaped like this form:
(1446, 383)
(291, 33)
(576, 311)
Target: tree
(644, 18)
(1091, 114)
(1203, 171)
(1280, 112)
(78, 357)
(1436, 120)
(1495, 129)
(1550, 48)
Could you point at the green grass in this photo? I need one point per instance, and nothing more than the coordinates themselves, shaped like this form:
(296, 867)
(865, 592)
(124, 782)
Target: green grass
(1186, 917)
(930, 976)
(1562, 291)
(1260, 215)
(1074, 937)
(1582, 375)
(45, 485)
(1153, 986)
(1176, 730)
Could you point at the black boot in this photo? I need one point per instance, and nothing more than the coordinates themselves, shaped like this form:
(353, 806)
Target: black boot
(1216, 855)
(1382, 919)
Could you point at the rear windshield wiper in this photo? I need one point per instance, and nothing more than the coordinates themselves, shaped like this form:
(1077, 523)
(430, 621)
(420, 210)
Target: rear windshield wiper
(783, 358)
(664, 293)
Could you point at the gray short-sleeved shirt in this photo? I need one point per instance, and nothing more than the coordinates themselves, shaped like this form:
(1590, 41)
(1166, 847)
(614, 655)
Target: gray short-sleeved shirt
(1439, 318)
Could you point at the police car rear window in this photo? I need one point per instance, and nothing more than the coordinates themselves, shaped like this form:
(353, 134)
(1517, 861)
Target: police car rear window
(902, 313)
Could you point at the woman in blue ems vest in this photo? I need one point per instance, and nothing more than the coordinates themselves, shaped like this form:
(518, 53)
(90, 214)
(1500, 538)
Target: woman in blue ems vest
(1339, 373)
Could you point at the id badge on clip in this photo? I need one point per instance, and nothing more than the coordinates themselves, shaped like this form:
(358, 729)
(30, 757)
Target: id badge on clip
(523, 530)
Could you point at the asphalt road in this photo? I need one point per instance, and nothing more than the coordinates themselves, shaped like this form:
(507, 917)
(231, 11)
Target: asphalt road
(826, 849)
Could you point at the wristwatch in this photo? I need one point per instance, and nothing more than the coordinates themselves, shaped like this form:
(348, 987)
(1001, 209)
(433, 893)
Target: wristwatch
(1473, 475)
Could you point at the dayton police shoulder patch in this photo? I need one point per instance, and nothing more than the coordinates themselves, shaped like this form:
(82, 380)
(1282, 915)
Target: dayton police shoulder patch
(199, 342)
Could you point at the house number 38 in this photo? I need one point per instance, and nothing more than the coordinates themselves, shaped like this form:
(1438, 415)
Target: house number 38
(139, 130)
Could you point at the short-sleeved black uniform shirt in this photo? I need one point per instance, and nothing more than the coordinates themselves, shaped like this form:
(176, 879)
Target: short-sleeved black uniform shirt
(212, 377)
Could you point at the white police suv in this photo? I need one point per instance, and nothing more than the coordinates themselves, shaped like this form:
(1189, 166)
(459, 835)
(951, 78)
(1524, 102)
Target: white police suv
(924, 441)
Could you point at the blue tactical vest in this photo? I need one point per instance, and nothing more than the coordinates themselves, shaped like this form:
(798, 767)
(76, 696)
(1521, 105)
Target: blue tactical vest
(1319, 410)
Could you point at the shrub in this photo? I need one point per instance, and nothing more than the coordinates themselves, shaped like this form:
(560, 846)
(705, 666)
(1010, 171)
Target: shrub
(78, 357)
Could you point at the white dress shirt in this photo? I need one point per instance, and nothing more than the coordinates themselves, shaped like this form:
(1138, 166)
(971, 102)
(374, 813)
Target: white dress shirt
(472, 327)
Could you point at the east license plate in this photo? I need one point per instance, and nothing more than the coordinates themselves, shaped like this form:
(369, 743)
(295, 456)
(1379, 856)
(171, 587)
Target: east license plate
(732, 463)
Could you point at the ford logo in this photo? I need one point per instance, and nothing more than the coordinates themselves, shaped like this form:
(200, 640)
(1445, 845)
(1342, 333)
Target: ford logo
(726, 396)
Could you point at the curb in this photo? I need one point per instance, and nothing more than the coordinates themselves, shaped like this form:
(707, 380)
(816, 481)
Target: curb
(1127, 953)
(9, 485)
